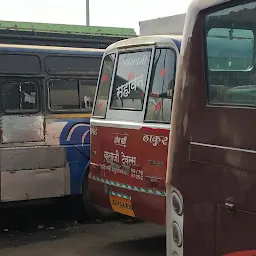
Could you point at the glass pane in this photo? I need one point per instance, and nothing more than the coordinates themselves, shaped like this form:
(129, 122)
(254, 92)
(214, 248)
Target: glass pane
(64, 94)
(104, 86)
(14, 64)
(87, 91)
(231, 52)
(230, 49)
(29, 96)
(130, 80)
(11, 96)
(67, 65)
(161, 86)
(20, 96)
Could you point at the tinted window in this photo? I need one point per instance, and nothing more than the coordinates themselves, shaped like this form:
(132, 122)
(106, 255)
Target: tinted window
(19, 64)
(230, 54)
(20, 96)
(65, 65)
(130, 80)
(71, 94)
(230, 49)
(161, 86)
(104, 86)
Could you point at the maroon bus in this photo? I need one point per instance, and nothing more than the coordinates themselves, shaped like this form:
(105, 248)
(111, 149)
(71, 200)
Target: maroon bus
(212, 147)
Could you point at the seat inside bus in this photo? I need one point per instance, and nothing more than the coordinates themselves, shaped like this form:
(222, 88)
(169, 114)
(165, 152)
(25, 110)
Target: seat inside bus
(235, 87)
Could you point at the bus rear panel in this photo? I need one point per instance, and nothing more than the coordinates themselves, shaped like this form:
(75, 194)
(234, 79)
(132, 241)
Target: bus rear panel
(130, 126)
(211, 165)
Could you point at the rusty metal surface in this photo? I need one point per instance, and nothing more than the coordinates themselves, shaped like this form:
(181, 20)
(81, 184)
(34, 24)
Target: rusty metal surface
(32, 157)
(33, 184)
(18, 128)
(211, 155)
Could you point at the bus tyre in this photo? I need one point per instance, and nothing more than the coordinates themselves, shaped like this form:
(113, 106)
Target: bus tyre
(92, 211)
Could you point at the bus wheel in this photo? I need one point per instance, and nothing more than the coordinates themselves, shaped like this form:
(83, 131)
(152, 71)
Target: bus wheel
(94, 212)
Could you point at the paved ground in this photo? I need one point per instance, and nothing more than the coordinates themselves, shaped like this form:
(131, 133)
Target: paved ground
(39, 233)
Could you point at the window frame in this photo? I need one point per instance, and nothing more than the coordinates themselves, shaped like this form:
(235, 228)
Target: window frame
(206, 69)
(23, 111)
(27, 54)
(175, 70)
(134, 50)
(72, 72)
(81, 110)
(115, 52)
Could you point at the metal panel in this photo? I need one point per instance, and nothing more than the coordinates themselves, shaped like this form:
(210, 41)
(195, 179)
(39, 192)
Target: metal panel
(33, 157)
(22, 128)
(53, 130)
(34, 184)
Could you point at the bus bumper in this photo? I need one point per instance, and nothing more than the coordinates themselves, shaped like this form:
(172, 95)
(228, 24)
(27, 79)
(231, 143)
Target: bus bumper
(144, 206)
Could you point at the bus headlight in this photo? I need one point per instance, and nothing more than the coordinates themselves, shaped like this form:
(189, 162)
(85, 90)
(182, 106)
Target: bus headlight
(176, 234)
(177, 203)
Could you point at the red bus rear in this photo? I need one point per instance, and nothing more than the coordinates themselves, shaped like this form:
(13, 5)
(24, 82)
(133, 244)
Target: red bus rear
(130, 126)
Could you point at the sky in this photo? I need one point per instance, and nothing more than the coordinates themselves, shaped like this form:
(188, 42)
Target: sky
(111, 13)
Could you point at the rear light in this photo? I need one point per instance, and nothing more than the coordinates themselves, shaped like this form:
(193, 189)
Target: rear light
(175, 220)
(176, 234)
(177, 203)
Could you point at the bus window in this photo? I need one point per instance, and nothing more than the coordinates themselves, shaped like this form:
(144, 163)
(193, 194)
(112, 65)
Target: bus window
(231, 73)
(130, 80)
(67, 65)
(161, 87)
(20, 96)
(71, 94)
(14, 64)
(230, 49)
(63, 94)
(104, 86)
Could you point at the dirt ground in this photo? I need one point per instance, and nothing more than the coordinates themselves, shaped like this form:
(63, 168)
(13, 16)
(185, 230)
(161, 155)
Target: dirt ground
(45, 231)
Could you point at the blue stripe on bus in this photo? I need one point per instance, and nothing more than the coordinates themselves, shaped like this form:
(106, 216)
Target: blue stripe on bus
(75, 137)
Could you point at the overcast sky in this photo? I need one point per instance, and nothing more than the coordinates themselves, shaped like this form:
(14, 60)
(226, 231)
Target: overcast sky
(113, 13)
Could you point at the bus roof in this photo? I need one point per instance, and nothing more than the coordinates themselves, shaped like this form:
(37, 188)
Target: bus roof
(38, 48)
(66, 29)
(146, 40)
(201, 5)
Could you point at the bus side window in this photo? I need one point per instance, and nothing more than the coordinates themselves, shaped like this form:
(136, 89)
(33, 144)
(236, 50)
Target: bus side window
(161, 86)
(71, 95)
(63, 94)
(20, 96)
(231, 70)
(104, 86)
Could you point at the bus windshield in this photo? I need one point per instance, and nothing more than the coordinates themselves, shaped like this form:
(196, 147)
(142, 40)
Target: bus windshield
(130, 80)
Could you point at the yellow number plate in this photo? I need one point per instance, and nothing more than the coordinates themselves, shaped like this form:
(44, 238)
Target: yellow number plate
(121, 205)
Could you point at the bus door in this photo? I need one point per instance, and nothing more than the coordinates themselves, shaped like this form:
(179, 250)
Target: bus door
(131, 124)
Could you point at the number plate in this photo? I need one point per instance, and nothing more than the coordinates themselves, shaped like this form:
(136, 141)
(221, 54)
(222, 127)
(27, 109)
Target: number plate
(121, 205)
